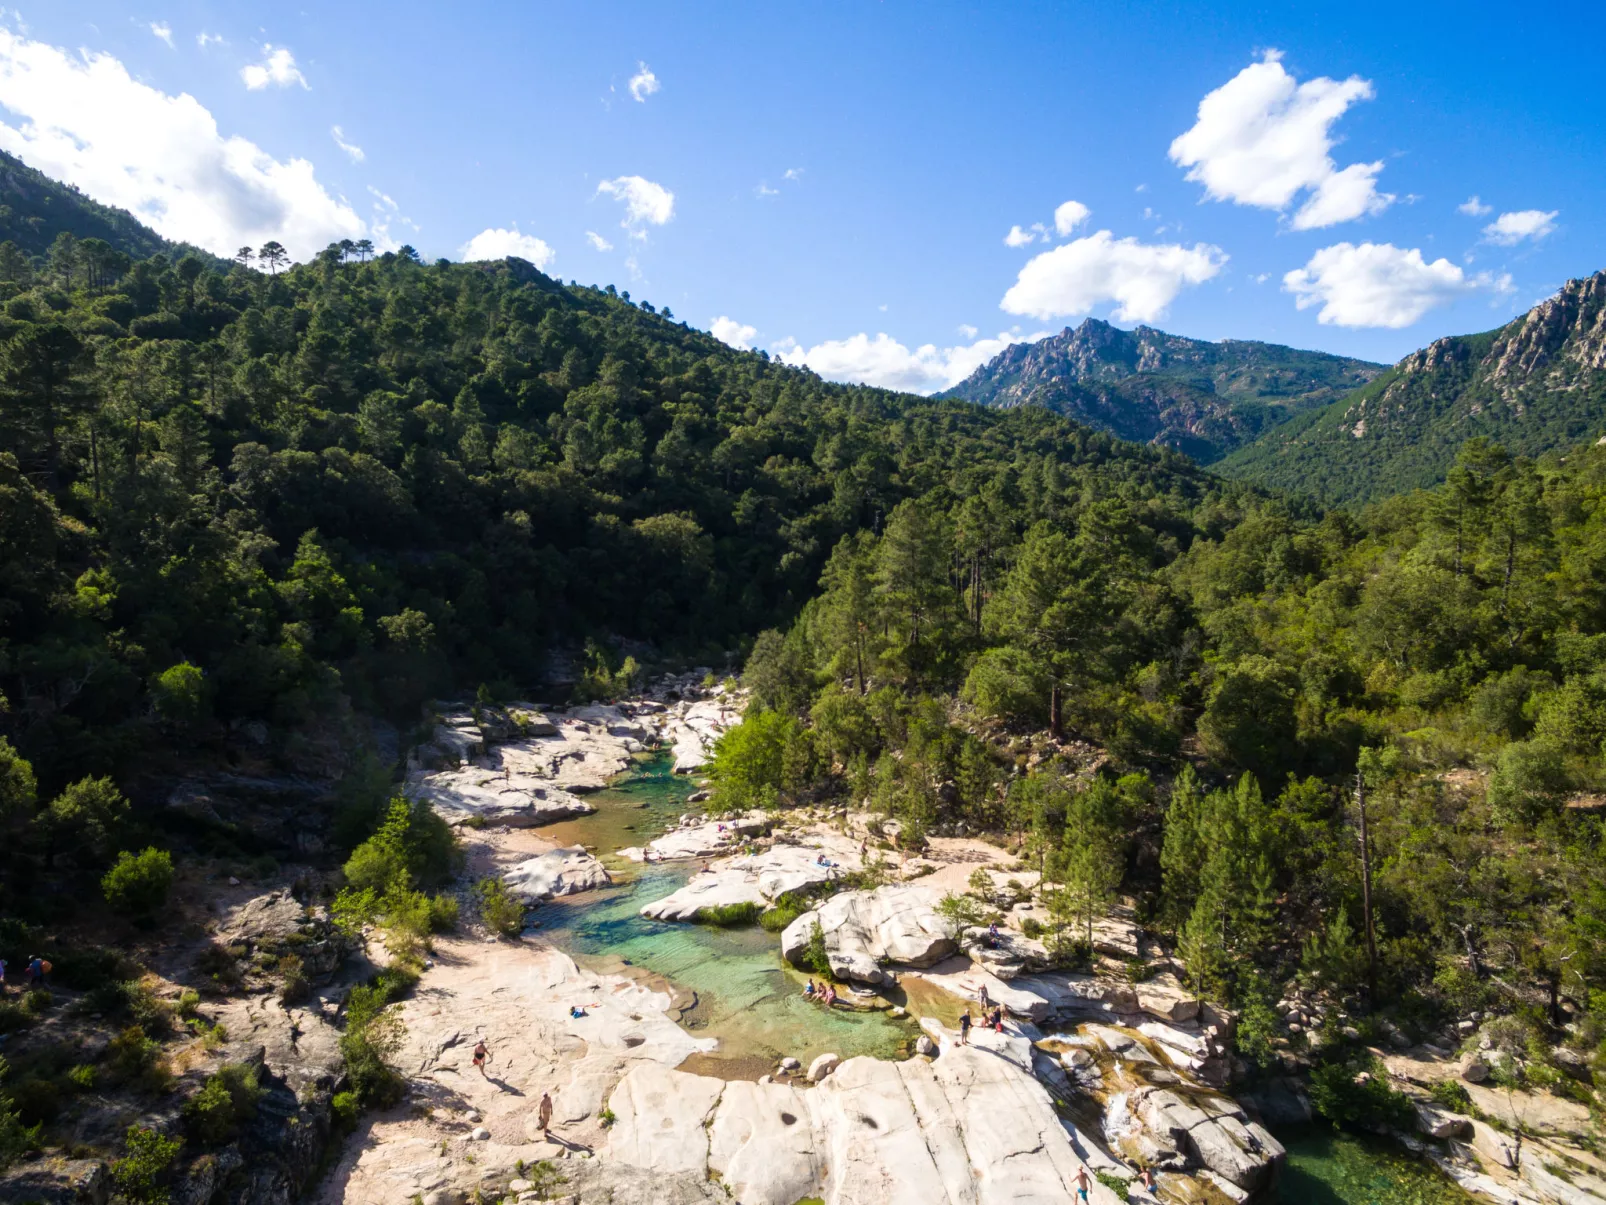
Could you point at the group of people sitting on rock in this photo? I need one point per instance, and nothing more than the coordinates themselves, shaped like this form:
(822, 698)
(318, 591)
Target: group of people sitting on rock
(825, 992)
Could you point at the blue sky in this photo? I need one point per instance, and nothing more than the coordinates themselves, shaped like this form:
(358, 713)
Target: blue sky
(837, 182)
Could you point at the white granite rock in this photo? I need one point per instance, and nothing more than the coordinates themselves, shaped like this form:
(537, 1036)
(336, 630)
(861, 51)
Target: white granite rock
(556, 872)
(475, 793)
(753, 879)
(863, 929)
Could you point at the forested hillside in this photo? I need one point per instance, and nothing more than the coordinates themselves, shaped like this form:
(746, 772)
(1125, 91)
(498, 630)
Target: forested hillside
(1450, 644)
(1537, 385)
(36, 210)
(1201, 398)
(375, 481)
(244, 507)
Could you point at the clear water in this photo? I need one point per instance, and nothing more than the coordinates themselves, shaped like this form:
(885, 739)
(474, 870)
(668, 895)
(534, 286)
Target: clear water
(736, 986)
(1330, 1167)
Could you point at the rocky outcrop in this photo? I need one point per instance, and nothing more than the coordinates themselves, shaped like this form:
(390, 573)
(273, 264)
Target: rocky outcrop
(1154, 1113)
(865, 929)
(57, 1181)
(756, 879)
(484, 794)
(967, 1128)
(695, 838)
(556, 872)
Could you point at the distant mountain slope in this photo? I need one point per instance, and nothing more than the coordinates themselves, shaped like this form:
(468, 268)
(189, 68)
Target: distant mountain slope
(34, 209)
(1201, 398)
(1536, 385)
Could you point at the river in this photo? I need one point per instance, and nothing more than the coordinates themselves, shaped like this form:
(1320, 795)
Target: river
(748, 998)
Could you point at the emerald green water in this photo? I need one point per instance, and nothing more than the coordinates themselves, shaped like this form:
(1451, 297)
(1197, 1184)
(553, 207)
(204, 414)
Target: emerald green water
(745, 995)
(741, 992)
(1330, 1167)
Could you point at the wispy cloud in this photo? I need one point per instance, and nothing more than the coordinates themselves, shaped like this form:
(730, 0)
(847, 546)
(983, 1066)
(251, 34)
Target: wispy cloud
(353, 151)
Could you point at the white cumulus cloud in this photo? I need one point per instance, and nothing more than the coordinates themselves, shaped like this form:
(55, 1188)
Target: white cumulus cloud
(597, 241)
(646, 203)
(83, 119)
(1069, 216)
(1018, 237)
(1141, 278)
(277, 68)
(792, 173)
(1374, 284)
(164, 31)
(496, 243)
(738, 334)
(644, 83)
(353, 151)
(1473, 207)
(1262, 138)
(885, 362)
(1509, 229)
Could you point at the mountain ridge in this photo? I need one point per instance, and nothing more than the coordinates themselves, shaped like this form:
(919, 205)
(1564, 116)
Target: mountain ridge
(1149, 386)
(1535, 385)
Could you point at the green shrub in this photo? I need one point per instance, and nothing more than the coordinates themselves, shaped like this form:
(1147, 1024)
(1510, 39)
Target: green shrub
(139, 1174)
(82, 1076)
(1033, 928)
(729, 916)
(84, 968)
(959, 912)
(138, 884)
(36, 1099)
(180, 694)
(16, 1139)
(293, 985)
(14, 1017)
(346, 1108)
(1357, 1094)
(818, 956)
(133, 1058)
(224, 1104)
(500, 909)
(786, 909)
(443, 911)
(1451, 1094)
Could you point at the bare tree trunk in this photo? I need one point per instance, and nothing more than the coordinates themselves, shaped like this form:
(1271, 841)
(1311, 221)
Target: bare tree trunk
(1056, 725)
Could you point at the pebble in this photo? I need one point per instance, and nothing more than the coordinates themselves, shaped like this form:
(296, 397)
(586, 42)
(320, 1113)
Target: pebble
(480, 1134)
(790, 1064)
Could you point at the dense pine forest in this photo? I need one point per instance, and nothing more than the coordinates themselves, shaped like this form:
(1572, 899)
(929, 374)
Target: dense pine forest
(278, 500)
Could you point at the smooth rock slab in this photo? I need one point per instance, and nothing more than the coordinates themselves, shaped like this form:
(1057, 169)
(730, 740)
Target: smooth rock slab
(754, 879)
(556, 872)
(863, 929)
(474, 793)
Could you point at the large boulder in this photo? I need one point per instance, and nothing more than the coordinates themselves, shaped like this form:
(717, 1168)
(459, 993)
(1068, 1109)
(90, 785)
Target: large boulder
(475, 794)
(556, 872)
(706, 839)
(57, 1181)
(864, 929)
(753, 879)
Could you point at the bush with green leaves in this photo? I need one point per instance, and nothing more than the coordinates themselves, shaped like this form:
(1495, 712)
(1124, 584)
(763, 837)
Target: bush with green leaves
(141, 1174)
(181, 695)
(959, 912)
(139, 883)
(816, 954)
(134, 1058)
(224, 1104)
(501, 911)
(1357, 1095)
(729, 916)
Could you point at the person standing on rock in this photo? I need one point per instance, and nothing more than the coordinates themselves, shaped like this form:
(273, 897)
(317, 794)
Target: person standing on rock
(480, 1055)
(545, 1114)
(1082, 1184)
(964, 1028)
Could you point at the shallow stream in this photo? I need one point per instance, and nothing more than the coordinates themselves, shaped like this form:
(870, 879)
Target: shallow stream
(740, 991)
(745, 994)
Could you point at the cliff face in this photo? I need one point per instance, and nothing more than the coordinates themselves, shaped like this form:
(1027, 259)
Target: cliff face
(1145, 385)
(1535, 385)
